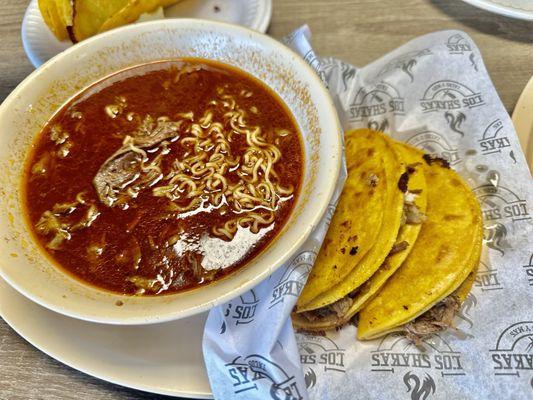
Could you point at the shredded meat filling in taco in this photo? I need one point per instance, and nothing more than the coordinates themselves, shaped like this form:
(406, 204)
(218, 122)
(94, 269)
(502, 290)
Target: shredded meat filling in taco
(436, 319)
(412, 216)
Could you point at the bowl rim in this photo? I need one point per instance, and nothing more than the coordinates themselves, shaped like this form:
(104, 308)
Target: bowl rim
(291, 249)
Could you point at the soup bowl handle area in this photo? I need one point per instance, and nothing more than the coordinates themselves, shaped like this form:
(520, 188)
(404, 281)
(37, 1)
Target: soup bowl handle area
(25, 267)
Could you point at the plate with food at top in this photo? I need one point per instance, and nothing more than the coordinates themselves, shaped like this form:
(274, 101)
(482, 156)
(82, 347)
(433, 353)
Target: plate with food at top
(51, 26)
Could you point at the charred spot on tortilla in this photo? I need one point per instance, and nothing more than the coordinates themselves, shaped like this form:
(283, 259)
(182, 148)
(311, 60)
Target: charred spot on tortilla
(411, 168)
(403, 181)
(400, 246)
(373, 180)
(433, 159)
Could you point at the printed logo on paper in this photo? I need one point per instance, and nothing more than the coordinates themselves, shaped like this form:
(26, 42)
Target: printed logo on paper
(375, 101)
(494, 139)
(314, 62)
(406, 63)
(513, 353)
(379, 125)
(436, 144)
(448, 95)
(397, 354)
(528, 269)
(347, 75)
(487, 278)
(240, 311)
(458, 44)
(501, 207)
(293, 280)
(319, 353)
(255, 371)
(464, 313)
(419, 388)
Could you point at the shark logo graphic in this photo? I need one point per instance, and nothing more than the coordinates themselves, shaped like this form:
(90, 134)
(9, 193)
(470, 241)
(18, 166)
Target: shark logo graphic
(293, 280)
(407, 67)
(472, 59)
(374, 101)
(396, 353)
(240, 311)
(513, 157)
(501, 207)
(494, 138)
(494, 237)
(529, 270)
(421, 390)
(466, 307)
(487, 278)
(449, 95)
(455, 121)
(380, 126)
(347, 74)
(458, 44)
(513, 354)
(435, 144)
(246, 372)
(405, 63)
(310, 378)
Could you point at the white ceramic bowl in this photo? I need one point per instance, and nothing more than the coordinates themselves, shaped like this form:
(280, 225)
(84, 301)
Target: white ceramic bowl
(23, 113)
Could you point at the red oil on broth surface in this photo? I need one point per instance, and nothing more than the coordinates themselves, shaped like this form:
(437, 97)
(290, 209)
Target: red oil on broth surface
(163, 177)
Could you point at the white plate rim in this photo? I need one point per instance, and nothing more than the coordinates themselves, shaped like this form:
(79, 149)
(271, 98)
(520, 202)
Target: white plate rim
(502, 9)
(260, 23)
(39, 344)
(523, 122)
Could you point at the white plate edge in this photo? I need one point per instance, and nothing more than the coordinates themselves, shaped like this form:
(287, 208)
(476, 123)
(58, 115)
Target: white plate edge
(88, 371)
(501, 9)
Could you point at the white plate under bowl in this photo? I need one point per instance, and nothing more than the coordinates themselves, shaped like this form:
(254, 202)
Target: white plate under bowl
(41, 45)
(163, 358)
(523, 122)
(520, 9)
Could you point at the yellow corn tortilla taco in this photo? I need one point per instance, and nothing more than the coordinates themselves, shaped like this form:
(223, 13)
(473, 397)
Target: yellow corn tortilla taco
(439, 317)
(446, 252)
(349, 239)
(51, 14)
(414, 207)
(365, 224)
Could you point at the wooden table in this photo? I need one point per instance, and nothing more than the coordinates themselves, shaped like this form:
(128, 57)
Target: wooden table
(357, 31)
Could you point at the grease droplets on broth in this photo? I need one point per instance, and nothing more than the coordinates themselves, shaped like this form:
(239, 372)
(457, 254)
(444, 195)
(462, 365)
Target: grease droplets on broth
(164, 177)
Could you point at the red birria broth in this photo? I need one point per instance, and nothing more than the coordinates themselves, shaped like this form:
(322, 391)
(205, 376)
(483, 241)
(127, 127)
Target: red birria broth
(163, 177)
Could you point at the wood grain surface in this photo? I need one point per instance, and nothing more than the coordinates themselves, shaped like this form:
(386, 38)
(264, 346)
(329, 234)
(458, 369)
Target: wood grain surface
(357, 31)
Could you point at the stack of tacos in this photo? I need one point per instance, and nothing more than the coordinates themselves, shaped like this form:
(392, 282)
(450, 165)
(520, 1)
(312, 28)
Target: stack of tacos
(402, 247)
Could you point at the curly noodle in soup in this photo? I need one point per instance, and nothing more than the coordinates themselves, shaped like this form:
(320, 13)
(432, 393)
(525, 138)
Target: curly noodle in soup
(163, 177)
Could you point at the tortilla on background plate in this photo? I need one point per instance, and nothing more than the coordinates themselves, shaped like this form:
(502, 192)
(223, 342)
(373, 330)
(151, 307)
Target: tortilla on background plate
(80, 19)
